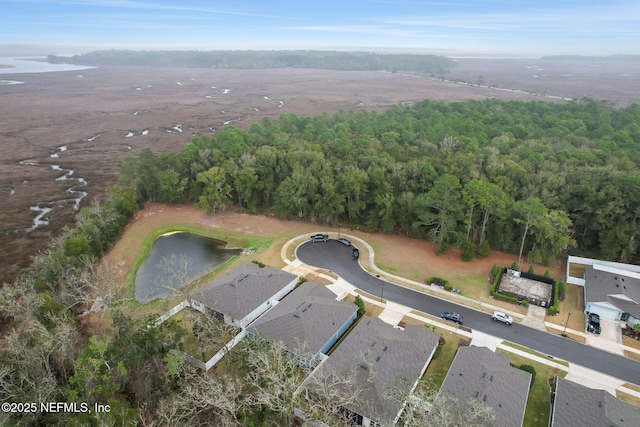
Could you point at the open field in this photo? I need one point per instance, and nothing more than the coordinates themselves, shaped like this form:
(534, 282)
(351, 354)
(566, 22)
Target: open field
(64, 134)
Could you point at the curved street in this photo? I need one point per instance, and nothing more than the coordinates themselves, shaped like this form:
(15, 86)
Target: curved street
(336, 257)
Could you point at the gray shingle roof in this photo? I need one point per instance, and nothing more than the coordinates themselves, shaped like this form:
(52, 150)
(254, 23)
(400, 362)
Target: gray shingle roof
(577, 405)
(393, 356)
(477, 372)
(243, 289)
(603, 285)
(309, 315)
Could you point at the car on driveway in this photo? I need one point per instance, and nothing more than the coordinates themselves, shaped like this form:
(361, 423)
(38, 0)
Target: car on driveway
(451, 316)
(319, 237)
(593, 324)
(344, 241)
(502, 317)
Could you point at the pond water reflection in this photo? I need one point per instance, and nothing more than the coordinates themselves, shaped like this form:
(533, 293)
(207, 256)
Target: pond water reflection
(177, 259)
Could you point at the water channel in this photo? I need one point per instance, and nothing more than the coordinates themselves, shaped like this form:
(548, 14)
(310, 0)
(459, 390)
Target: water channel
(176, 259)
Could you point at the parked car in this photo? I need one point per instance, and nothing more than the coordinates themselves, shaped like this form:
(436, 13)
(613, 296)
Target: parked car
(451, 316)
(319, 237)
(593, 324)
(355, 253)
(344, 241)
(502, 317)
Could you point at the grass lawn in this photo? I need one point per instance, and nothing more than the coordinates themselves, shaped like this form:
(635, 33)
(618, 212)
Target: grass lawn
(533, 352)
(573, 303)
(371, 310)
(437, 370)
(633, 400)
(538, 405)
(191, 345)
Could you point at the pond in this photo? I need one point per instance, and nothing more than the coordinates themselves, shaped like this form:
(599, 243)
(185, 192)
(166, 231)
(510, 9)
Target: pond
(176, 259)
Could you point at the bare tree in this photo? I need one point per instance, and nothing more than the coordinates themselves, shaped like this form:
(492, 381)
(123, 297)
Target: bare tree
(429, 407)
(213, 335)
(275, 376)
(330, 395)
(205, 399)
(102, 285)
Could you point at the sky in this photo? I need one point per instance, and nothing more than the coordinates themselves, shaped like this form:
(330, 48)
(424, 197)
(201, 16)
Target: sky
(518, 27)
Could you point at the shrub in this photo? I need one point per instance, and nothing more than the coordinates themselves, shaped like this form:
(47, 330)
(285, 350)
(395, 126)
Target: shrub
(562, 288)
(546, 273)
(531, 370)
(494, 270)
(483, 250)
(553, 309)
(468, 251)
(506, 298)
(524, 303)
(496, 281)
(530, 270)
(442, 248)
(360, 304)
(437, 281)
(258, 263)
(514, 266)
(301, 280)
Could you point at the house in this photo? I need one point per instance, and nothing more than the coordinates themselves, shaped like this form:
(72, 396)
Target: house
(612, 293)
(479, 373)
(309, 319)
(382, 358)
(578, 405)
(239, 296)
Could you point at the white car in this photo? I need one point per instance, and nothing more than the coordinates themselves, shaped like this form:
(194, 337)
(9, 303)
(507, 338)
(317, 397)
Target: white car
(503, 317)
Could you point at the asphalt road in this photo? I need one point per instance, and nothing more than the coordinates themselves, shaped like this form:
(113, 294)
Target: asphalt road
(336, 257)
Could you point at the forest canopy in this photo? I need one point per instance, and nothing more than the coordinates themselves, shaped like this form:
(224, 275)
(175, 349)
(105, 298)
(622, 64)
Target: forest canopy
(531, 177)
(534, 178)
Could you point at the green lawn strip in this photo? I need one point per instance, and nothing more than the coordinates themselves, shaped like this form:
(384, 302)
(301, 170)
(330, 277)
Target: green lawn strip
(535, 353)
(538, 404)
(439, 366)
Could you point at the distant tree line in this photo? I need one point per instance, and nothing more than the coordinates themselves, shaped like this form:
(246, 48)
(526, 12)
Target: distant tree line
(533, 178)
(607, 58)
(257, 59)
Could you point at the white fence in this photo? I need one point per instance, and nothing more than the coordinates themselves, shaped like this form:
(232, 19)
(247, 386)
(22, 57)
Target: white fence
(590, 262)
(216, 357)
(171, 312)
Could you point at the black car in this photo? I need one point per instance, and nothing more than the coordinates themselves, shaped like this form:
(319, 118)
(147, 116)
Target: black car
(319, 237)
(344, 241)
(452, 317)
(593, 323)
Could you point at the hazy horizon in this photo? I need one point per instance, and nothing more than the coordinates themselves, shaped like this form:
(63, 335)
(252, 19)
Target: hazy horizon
(486, 28)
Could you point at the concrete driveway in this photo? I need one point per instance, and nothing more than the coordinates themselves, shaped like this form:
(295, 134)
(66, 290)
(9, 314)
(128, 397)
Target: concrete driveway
(609, 339)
